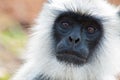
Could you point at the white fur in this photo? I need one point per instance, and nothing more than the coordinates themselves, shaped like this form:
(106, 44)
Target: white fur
(104, 65)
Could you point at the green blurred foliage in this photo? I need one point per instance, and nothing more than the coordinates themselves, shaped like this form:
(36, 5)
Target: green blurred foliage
(13, 39)
(5, 77)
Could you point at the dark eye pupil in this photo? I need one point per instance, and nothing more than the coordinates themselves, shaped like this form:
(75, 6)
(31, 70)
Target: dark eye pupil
(91, 30)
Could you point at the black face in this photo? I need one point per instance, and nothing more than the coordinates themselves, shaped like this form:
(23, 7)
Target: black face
(76, 37)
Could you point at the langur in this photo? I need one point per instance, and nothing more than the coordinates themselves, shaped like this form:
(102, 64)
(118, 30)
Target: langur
(74, 40)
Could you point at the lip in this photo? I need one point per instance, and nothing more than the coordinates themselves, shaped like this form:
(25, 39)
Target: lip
(71, 57)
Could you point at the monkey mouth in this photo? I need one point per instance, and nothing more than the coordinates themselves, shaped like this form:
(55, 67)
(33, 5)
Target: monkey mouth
(71, 57)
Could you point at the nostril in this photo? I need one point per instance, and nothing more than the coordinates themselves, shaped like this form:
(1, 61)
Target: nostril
(70, 39)
(77, 40)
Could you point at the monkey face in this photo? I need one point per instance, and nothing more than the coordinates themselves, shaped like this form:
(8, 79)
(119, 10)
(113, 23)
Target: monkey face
(76, 36)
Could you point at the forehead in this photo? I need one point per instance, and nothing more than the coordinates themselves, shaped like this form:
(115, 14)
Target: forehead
(78, 17)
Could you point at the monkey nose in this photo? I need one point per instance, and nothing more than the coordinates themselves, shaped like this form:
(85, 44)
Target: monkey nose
(74, 40)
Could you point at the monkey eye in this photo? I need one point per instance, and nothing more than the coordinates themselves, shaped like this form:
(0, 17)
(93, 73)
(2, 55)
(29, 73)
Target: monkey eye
(91, 29)
(66, 25)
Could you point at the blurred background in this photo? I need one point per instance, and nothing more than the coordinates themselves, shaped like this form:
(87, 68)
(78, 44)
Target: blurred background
(16, 17)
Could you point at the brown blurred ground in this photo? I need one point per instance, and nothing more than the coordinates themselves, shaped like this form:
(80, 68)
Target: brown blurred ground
(22, 10)
(116, 2)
